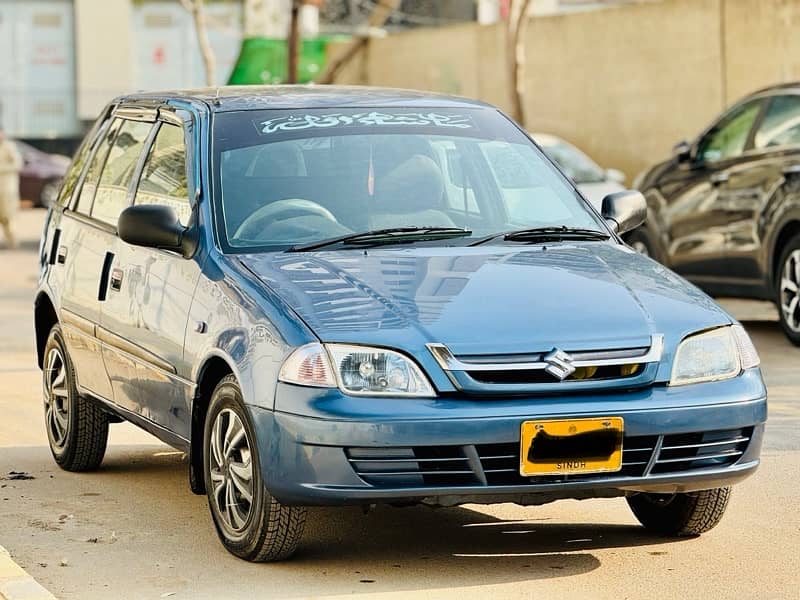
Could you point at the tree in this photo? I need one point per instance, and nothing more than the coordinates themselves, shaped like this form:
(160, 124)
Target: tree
(197, 10)
(515, 51)
(381, 12)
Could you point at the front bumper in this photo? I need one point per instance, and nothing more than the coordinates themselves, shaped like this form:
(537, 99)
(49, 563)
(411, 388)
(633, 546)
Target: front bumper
(335, 449)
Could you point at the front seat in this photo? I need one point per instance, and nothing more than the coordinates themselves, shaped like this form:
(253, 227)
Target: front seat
(410, 194)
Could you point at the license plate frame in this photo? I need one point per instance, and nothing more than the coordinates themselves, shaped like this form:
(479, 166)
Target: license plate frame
(588, 445)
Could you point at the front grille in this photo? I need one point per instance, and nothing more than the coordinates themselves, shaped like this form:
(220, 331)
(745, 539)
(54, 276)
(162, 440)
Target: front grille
(498, 464)
(541, 376)
(573, 370)
(691, 451)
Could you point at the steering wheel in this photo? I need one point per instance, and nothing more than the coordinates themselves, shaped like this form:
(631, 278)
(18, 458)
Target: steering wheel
(278, 211)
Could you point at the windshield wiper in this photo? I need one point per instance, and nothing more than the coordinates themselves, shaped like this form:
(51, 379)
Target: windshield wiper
(537, 234)
(387, 236)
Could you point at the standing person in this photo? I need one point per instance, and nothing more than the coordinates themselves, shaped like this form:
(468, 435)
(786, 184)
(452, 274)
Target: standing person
(10, 165)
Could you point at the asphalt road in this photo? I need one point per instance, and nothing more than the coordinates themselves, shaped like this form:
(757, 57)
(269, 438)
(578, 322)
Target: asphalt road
(133, 529)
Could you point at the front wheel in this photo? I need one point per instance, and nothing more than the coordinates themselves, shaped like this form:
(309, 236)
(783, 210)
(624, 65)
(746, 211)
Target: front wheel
(250, 523)
(788, 290)
(686, 514)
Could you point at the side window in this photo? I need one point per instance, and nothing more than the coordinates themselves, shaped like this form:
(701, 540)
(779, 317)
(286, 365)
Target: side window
(79, 161)
(95, 168)
(112, 189)
(781, 124)
(727, 138)
(163, 179)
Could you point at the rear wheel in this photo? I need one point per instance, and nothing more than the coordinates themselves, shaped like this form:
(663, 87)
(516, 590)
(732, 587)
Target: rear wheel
(250, 523)
(691, 513)
(77, 429)
(788, 289)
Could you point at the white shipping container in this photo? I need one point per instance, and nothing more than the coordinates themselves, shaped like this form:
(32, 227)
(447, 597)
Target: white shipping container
(37, 69)
(167, 55)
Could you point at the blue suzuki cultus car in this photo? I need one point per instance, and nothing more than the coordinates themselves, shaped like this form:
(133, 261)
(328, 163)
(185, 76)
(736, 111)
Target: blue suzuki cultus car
(355, 296)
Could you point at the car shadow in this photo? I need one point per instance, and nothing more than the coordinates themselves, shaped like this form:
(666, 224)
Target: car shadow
(391, 548)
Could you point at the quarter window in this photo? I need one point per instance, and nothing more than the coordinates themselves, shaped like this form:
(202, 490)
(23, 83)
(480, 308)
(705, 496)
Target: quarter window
(727, 139)
(163, 179)
(781, 124)
(112, 190)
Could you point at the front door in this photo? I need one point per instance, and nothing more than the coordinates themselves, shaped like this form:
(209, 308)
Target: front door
(150, 292)
(697, 216)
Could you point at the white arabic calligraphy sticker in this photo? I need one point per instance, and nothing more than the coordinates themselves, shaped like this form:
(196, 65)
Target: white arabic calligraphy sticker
(374, 118)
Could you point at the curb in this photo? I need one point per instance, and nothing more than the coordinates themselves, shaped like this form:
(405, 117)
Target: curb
(16, 584)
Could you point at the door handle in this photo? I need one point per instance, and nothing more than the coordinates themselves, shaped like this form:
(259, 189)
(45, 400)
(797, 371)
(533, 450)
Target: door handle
(720, 178)
(115, 279)
(61, 255)
(55, 249)
(104, 273)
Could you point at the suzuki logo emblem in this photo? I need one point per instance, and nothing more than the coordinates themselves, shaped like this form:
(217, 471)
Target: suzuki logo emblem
(559, 364)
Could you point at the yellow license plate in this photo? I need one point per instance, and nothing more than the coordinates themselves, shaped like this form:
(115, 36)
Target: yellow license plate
(571, 447)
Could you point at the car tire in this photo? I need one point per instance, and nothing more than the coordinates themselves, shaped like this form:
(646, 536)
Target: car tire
(685, 514)
(640, 241)
(267, 530)
(49, 193)
(77, 428)
(788, 289)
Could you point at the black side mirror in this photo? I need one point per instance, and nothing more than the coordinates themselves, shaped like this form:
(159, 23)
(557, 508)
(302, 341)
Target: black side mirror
(624, 210)
(155, 226)
(682, 151)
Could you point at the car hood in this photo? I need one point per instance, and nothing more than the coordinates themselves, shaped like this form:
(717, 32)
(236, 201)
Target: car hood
(488, 300)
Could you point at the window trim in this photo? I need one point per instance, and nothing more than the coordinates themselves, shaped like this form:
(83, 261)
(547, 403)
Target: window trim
(173, 121)
(747, 148)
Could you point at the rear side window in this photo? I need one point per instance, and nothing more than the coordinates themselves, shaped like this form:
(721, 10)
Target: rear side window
(163, 179)
(112, 190)
(79, 161)
(781, 124)
(95, 168)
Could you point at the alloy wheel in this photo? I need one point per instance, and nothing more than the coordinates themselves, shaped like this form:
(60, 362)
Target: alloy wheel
(790, 291)
(231, 471)
(56, 397)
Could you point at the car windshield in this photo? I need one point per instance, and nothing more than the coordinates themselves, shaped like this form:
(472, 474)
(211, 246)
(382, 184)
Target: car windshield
(289, 177)
(579, 167)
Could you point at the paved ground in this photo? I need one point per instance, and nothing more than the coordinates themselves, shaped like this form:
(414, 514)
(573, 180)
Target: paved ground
(133, 529)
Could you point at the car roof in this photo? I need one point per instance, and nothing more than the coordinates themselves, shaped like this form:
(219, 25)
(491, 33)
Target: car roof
(257, 97)
(793, 86)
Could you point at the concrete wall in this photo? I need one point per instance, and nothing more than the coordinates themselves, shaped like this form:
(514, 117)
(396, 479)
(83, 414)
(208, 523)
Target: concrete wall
(625, 83)
(103, 53)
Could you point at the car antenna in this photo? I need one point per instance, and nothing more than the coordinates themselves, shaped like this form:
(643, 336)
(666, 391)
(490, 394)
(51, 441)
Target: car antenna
(216, 98)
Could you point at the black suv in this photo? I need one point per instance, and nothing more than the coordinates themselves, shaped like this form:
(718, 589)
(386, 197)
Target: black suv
(724, 211)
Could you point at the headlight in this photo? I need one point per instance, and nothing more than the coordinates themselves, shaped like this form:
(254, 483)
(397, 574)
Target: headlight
(358, 370)
(721, 353)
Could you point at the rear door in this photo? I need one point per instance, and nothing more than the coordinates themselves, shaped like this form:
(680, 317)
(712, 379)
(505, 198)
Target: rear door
(144, 318)
(78, 253)
(696, 213)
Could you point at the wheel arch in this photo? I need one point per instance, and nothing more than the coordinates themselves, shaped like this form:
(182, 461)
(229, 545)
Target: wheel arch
(212, 370)
(787, 231)
(44, 317)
